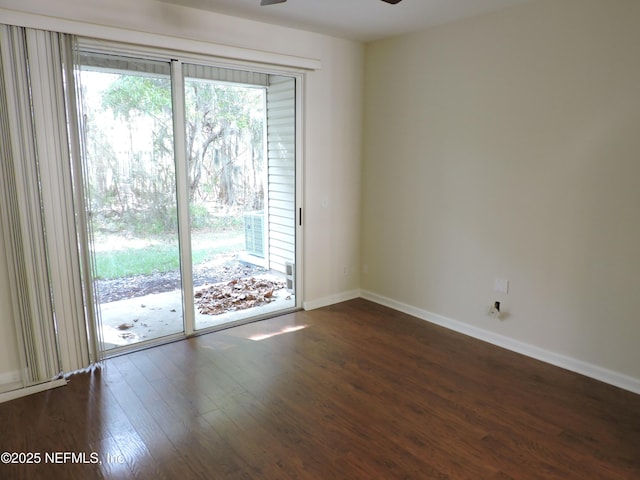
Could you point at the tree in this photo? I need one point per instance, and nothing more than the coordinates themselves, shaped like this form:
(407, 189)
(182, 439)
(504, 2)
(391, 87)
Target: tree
(141, 131)
(130, 140)
(224, 132)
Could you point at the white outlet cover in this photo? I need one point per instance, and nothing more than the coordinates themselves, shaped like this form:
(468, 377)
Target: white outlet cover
(501, 285)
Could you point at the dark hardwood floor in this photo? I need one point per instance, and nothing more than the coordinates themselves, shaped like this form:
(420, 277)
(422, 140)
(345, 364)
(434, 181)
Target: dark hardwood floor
(358, 391)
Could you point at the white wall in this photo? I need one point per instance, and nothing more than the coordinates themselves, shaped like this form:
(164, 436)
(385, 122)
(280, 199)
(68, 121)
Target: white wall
(508, 146)
(333, 121)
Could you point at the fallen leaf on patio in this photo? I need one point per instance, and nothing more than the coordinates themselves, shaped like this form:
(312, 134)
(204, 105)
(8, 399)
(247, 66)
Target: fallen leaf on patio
(238, 294)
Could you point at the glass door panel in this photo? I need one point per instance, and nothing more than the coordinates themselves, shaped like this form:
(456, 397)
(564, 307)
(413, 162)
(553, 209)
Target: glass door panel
(131, 190)
(241, 193)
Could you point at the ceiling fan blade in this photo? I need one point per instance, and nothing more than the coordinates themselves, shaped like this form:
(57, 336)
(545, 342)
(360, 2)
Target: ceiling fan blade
(392, 2)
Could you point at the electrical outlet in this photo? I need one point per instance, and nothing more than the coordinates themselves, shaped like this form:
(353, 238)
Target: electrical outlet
(494, 310)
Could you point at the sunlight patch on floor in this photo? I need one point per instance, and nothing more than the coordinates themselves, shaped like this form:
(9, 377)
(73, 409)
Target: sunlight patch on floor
(264, 336)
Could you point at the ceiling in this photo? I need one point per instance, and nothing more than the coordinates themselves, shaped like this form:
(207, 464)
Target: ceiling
(362, 20)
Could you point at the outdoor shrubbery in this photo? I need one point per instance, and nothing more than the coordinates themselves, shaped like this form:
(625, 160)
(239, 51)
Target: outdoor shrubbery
(131, 176)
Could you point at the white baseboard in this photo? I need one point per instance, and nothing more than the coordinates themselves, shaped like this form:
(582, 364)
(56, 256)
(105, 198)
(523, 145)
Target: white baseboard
(620, 380)
(40, 387)
(331, 300)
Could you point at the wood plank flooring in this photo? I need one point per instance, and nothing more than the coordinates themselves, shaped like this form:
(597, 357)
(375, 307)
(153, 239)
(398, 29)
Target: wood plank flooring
(352, 391)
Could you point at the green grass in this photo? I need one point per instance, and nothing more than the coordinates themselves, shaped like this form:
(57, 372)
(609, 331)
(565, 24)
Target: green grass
(158, 258)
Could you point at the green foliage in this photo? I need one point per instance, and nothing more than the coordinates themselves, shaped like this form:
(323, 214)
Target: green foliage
(142, 95)
(137, 261)
(131, 165)
(159, 221)
(158, 258)
(200, 216)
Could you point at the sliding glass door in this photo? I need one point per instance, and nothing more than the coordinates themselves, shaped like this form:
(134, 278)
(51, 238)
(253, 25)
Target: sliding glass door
(191, 192)
(131, 181)
(230, 187)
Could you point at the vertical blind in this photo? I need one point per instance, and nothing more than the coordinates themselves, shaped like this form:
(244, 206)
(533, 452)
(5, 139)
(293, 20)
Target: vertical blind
(37, 209)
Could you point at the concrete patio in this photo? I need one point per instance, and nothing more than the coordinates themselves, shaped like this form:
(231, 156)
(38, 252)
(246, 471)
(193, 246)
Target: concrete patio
(149, 317)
